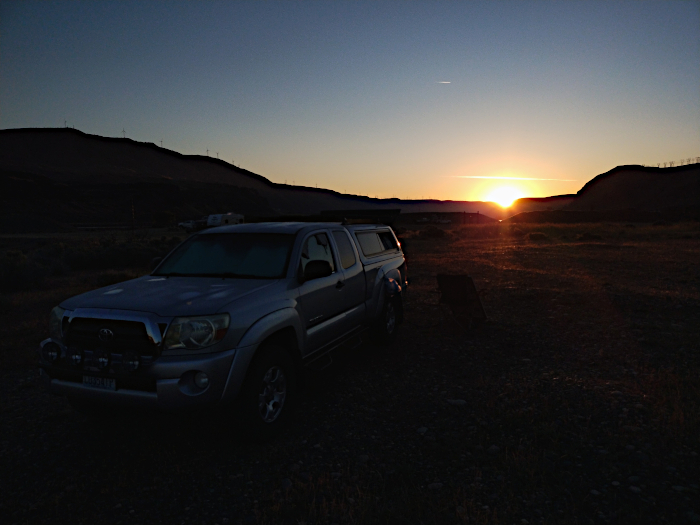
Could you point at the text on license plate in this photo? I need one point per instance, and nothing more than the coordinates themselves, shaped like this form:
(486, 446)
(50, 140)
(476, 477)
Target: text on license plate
(105, 383)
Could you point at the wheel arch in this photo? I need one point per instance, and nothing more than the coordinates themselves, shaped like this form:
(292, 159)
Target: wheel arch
(281, 327)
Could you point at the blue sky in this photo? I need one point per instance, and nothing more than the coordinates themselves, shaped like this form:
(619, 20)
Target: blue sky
(347, 95)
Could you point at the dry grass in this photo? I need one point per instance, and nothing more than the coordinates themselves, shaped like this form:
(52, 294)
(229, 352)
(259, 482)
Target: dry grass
(582, 403)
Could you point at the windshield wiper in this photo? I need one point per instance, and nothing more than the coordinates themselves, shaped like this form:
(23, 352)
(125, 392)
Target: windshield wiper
(224, 275)
(231, 275)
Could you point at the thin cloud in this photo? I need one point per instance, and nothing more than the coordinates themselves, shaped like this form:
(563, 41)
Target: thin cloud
(509, 178)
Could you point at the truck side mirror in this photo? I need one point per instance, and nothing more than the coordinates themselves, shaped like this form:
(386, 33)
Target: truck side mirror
(316, 270)
(155, 262)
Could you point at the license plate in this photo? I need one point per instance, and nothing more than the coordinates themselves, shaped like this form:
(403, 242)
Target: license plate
(104, 383)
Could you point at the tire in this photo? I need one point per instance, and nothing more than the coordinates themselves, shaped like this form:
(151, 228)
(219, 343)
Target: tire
(269, 394)
(387, 325)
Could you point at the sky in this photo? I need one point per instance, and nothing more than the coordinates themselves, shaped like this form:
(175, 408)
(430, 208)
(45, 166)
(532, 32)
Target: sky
(434, 99)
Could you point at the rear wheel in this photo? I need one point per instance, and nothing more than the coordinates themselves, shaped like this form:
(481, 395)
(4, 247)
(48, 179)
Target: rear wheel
(387, 324)
(269, 394)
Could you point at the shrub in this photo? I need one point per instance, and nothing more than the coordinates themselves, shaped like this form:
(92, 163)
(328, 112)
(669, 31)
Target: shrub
(164, 218)
(588, 237)
(18, 272)
(432, 232)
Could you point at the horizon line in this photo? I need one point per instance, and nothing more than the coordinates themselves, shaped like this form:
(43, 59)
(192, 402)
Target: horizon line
(507, 178)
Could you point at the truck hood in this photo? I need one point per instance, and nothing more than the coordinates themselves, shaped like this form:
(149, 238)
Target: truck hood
(169, 296)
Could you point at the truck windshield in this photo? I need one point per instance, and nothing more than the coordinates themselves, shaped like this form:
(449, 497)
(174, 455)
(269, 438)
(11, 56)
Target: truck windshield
(234, 255)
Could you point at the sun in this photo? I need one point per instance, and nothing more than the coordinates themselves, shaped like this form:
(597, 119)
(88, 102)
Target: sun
(504, 195)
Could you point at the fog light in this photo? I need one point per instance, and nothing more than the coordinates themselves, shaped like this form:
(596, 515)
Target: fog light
(102, 357)
(76, 356)
(52, 352)
(201, 380)
(131, 361)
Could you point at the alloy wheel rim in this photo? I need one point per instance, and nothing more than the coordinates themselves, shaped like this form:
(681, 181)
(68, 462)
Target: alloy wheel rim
(272, 395)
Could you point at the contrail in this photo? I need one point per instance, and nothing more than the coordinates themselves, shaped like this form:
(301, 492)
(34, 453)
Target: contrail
(443, 82)
(508, 178)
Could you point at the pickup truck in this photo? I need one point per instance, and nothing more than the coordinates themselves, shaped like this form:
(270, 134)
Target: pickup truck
(234, 316)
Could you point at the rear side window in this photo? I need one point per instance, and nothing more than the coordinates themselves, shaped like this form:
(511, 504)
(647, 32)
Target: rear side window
(388, 241)
(369, 242)
(347, 254)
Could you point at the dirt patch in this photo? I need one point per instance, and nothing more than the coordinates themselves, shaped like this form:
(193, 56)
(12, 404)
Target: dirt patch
(578, 402)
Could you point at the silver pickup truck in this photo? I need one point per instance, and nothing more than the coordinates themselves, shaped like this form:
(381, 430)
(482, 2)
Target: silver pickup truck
(233, 316)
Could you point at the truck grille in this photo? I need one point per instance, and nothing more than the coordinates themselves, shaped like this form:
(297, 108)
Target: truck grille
(84, 334)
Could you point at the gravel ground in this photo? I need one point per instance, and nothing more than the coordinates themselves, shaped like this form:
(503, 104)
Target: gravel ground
(578, 402)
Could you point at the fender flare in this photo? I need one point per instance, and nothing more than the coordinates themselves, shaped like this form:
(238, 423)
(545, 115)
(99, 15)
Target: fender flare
(250, 342)
(389, 287)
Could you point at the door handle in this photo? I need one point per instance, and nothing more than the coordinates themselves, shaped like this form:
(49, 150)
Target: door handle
(340, 285)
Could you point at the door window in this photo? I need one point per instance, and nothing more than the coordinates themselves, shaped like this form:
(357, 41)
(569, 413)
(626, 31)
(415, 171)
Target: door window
(317, 248)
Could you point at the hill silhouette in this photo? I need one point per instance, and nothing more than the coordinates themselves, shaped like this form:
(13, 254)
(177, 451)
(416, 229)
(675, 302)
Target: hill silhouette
(53, 178)
(641, 188)
(77, 166)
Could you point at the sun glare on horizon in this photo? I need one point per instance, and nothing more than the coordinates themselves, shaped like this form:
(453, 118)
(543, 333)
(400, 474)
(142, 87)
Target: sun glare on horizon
(505, 195)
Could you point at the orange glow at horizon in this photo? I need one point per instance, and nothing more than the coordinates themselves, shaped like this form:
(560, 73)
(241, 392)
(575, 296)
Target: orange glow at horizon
(505, 195)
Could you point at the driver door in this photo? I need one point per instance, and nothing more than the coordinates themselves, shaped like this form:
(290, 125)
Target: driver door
(321, 298)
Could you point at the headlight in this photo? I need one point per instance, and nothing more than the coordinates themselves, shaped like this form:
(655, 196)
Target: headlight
(56, 323)
(195, 333)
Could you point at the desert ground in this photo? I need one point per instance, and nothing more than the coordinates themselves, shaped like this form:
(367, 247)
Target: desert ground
(578, 402)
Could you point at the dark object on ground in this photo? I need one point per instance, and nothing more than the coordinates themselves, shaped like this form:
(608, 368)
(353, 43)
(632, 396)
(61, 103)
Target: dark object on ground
(589, 237)
(459, 292)
(537, 236)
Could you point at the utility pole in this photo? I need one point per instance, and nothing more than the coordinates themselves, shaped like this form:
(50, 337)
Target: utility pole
(161, 143)
(217, 154)
(123, 132)
(207, 152)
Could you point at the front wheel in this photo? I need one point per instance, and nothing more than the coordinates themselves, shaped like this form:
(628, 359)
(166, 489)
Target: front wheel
(387, 324)
(268, 395)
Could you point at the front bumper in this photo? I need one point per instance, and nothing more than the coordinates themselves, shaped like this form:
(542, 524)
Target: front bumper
(167, 383)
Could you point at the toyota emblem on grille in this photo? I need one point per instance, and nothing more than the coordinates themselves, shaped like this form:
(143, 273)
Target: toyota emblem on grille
(105, 334)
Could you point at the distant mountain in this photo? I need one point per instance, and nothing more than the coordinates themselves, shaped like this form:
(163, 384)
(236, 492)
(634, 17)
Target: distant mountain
(51, 178)
(68, 156)
(527, 204)
(641, 188)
